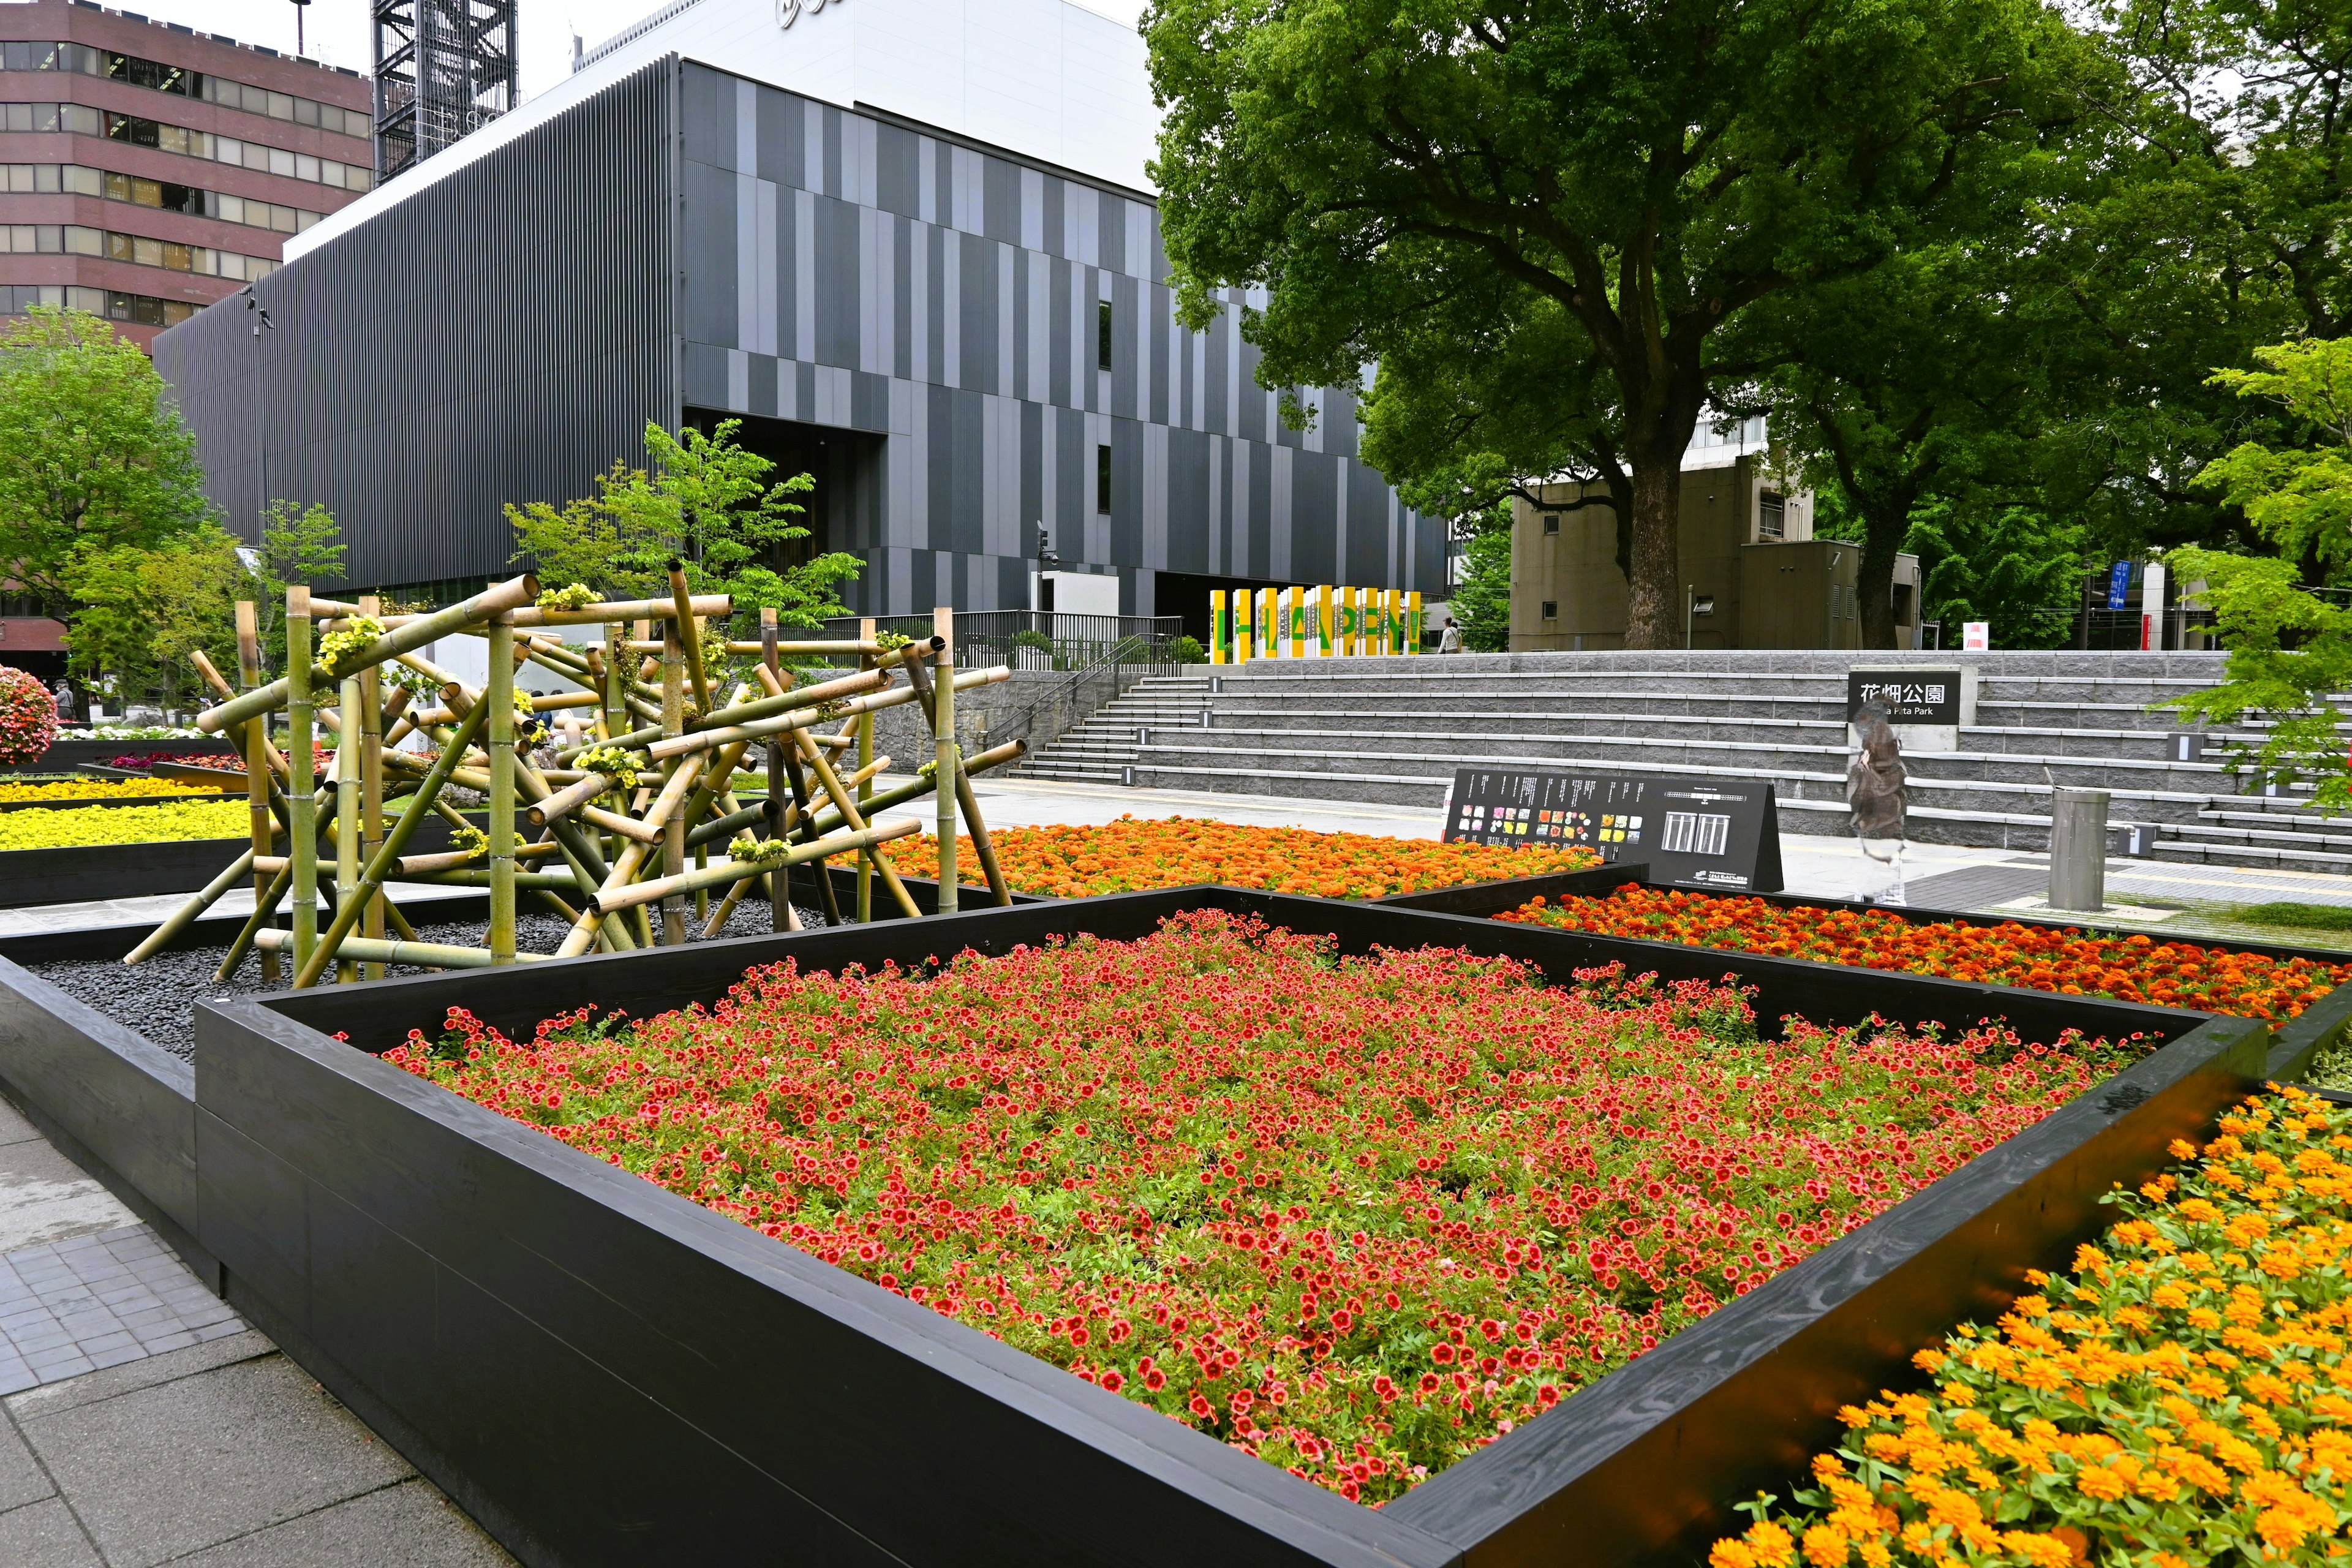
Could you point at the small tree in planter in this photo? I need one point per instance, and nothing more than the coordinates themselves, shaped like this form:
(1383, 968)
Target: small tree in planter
(28, 718)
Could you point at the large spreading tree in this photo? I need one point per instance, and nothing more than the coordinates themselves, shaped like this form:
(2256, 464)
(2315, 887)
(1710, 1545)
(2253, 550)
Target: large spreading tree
(1537, 216)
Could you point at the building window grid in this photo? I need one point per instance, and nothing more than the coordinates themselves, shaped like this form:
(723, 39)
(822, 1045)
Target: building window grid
(139, 249)
(81, 119)
(1102, 480)
(82, 60)
(1771, 515)
(76, 179)
(140, 310)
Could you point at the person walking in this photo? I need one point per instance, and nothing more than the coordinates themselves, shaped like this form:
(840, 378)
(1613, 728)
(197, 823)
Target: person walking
(1449, 639)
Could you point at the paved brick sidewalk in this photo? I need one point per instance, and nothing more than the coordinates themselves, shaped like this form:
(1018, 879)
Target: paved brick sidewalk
(144, 1424)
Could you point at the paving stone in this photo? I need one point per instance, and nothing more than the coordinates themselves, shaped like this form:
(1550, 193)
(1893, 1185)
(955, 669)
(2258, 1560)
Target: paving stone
(156, 1370)
(46, 1198)
(249, 1446)
(21, 1480)
(409, 1525)
(44, 1535)
(14, 1128)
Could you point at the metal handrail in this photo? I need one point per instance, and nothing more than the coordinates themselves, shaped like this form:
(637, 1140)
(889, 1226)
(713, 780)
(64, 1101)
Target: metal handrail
(1026, 719)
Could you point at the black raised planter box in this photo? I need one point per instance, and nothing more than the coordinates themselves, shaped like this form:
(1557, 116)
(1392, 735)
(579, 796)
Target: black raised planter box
(84, 872)
(604, 1372)
(65, 753)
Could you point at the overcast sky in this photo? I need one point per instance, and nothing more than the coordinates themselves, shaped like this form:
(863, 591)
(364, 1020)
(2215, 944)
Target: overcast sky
(336, 31)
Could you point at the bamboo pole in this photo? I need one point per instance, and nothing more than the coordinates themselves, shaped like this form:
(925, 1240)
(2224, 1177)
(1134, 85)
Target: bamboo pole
(373, 878)
(418, 954)
(498, 695)
(673, 673)
(257, 761)
(866, 634)
(846, 805)
(684, 882)
(983, 850)
(414, 634)
(371, 821)
(185, 915)
(780, 916)
(303, 762)
(616, 610)
(347, 810)
(943, 734)
(689, 634)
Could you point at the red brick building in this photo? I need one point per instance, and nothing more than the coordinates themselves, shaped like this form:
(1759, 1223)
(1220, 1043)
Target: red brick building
(147, 170)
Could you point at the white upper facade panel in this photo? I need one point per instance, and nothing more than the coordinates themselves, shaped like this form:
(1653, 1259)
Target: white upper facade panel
(1045, 79)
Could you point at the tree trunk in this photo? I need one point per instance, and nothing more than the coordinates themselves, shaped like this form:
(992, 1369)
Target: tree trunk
(1883, 528)
(1654, 609)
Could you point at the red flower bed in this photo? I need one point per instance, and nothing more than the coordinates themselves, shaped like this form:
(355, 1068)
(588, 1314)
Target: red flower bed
(141, 762)
(2136, 968)
(1356, 1217)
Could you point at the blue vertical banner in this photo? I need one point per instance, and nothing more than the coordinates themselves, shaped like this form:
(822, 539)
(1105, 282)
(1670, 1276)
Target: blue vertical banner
(2119, 585)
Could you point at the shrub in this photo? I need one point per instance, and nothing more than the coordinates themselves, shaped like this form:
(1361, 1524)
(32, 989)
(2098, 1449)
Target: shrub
(1187, 649)
(29, 716)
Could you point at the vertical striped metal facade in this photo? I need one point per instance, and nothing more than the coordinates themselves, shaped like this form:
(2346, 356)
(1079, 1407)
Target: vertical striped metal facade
(502, 335)
(688, 243)
(845, 271)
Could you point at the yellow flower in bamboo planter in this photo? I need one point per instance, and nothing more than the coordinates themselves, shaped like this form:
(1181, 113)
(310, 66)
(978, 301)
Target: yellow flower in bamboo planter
(576, 597)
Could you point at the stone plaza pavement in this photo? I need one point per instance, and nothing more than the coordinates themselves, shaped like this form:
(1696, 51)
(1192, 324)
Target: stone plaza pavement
(143, 1422)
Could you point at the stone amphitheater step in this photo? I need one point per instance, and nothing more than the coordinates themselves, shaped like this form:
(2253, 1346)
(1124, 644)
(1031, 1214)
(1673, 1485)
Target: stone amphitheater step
(1395, 730)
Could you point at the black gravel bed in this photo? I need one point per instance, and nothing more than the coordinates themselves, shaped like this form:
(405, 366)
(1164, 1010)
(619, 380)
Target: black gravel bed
(158, 998)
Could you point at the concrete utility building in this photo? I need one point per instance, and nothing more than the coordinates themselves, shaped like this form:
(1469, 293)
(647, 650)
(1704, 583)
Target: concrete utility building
(1754, 576)
(910, 242)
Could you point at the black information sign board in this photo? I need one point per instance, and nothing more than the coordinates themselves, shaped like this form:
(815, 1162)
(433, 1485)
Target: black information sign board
(1694, 833)
(1912, 697)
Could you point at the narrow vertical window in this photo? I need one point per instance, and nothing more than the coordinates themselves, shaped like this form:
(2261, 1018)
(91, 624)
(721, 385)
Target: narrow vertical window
(1102, 479)
(1102, 336)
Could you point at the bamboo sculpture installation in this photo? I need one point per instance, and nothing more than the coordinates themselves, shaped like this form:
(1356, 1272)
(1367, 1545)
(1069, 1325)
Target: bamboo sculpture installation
(634, 811)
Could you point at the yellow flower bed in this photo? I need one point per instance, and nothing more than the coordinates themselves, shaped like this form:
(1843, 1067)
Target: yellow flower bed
(2181, 1399)
(124, 825)
(1130, 853)
(94, 789)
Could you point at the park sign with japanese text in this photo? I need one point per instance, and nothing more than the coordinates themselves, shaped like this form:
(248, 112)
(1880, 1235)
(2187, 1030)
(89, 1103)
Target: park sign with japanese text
(1928, 706)
(1693, 832)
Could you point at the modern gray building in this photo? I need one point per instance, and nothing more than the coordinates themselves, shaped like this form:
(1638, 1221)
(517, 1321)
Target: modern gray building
(961, 341)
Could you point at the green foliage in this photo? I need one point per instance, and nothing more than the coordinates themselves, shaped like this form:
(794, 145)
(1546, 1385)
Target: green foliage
(299, 544)
(1537, 220)
(2299, 499)
(1482, 599)
(2018, 569)
(1029, 637)
(139, 612)
(93, 458)
(2313, 917)
(2290, 651)
(707, 502)
(1187, 649)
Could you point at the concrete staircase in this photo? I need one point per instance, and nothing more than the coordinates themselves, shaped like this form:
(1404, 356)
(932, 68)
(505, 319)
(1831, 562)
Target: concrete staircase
(1396, 728)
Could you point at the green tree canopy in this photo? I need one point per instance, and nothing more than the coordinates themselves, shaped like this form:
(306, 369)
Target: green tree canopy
(1590, 190)
(139, 613)
(2290, 649)
(706, 501)
(93, 458)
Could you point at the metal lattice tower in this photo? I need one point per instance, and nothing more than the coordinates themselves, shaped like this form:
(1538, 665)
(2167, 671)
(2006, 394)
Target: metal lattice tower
(443, 68)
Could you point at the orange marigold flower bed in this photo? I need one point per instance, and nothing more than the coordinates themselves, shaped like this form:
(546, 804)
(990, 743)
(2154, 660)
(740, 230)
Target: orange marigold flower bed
(2180, 1398)
(1131, 854)
(2076, 962)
